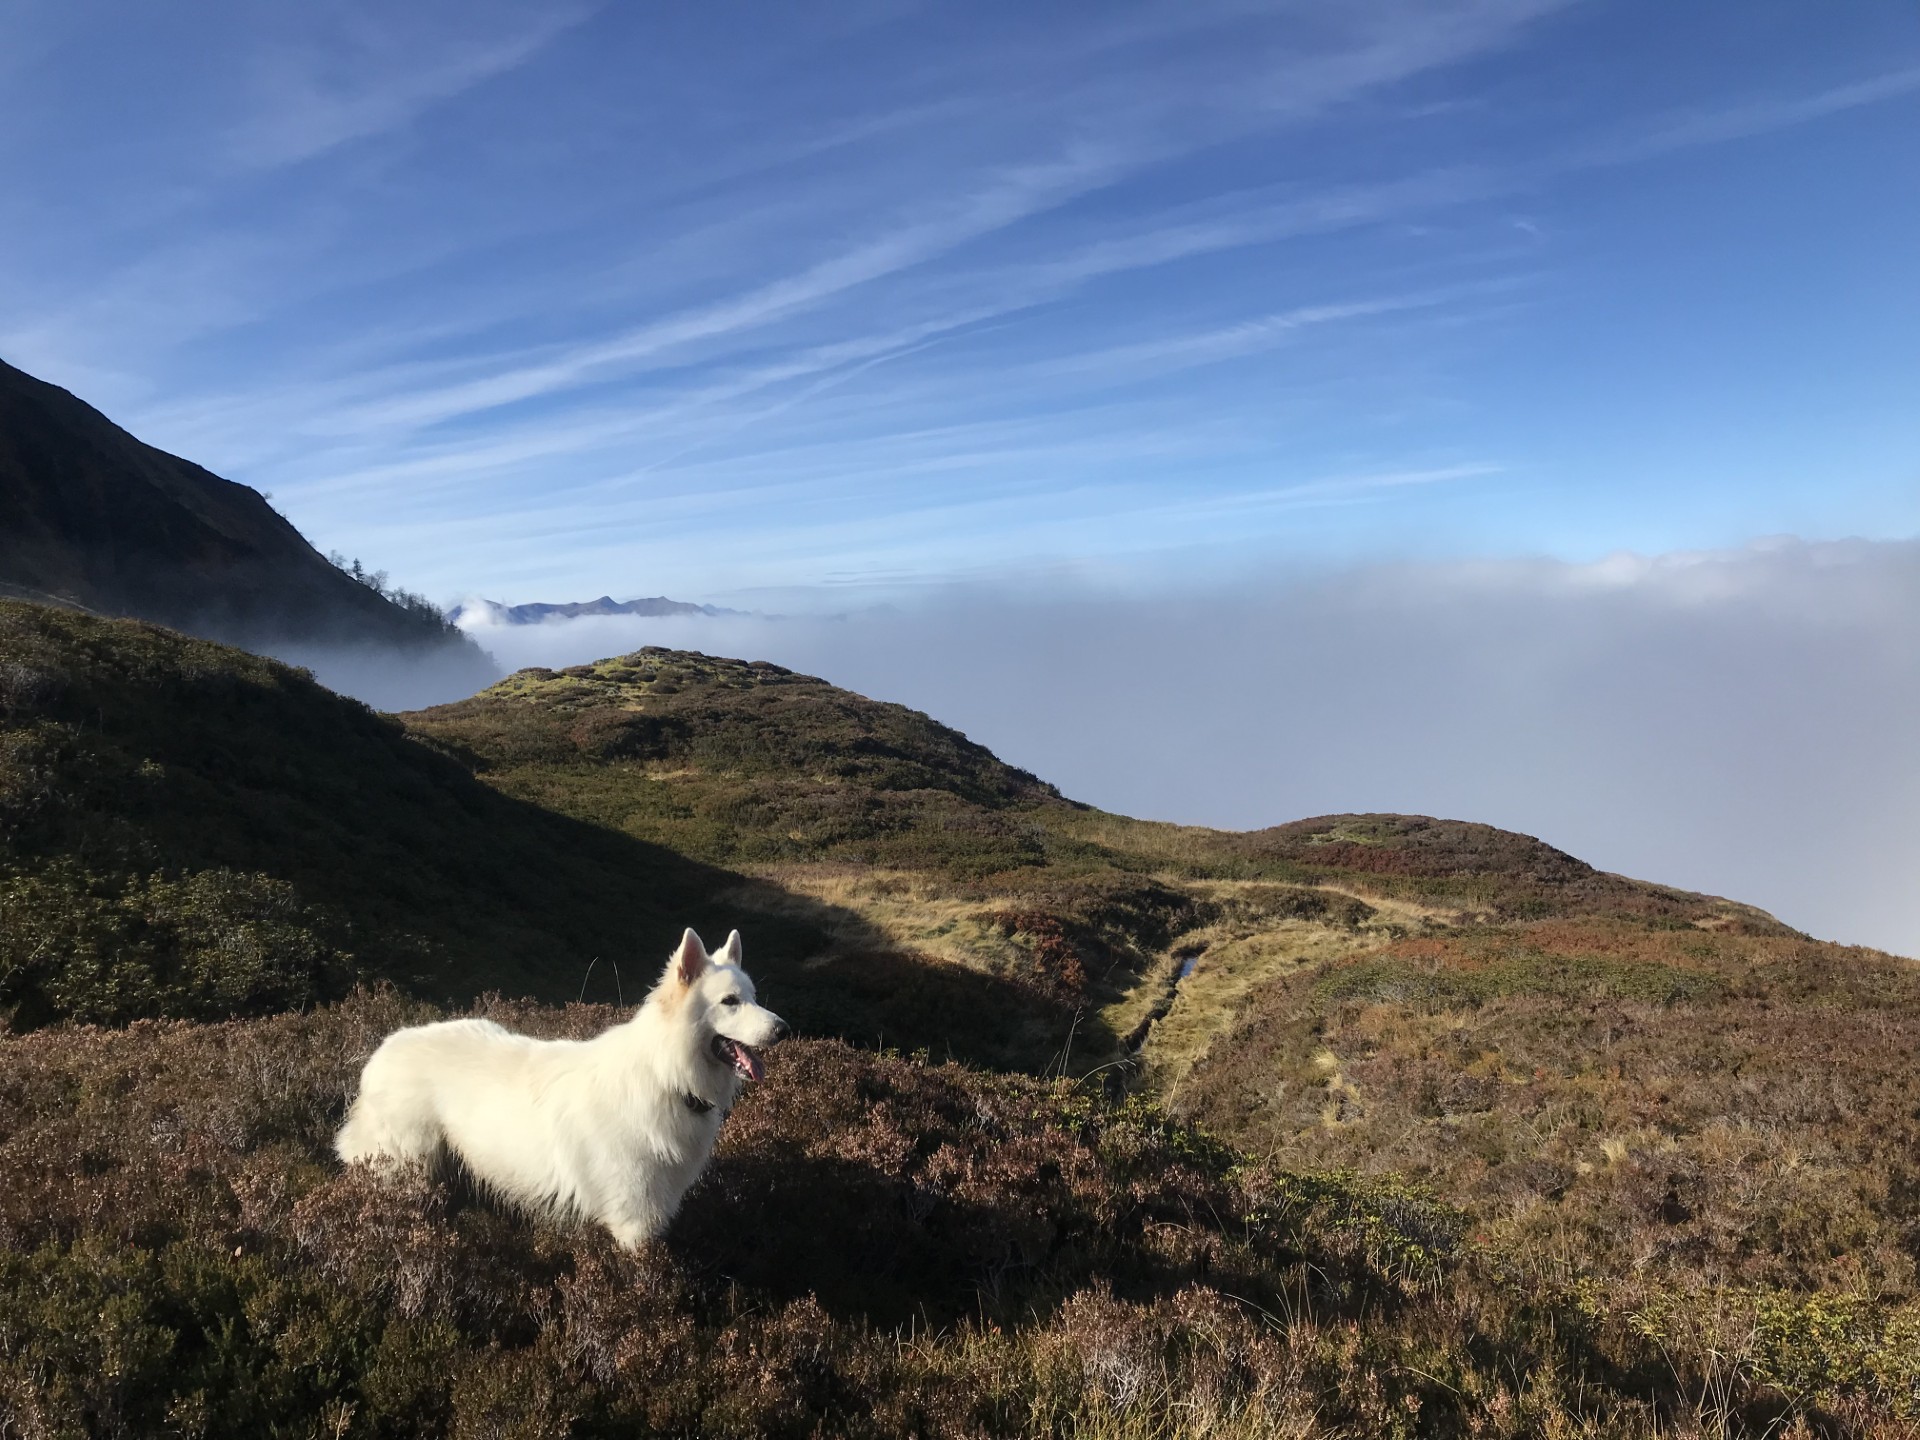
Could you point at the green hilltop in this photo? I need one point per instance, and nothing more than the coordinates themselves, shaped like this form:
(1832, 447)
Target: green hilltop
(187, 829)
(1359, 1125)
(906, 842)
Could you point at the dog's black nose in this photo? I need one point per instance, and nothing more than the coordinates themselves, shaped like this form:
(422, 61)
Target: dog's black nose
(781, 1029)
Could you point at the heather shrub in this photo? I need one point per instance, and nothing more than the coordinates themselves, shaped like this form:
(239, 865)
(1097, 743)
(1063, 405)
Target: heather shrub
(1515, 970)
(1377, 1226)
(205, 945)
(1832, 1350)
(881, 1246)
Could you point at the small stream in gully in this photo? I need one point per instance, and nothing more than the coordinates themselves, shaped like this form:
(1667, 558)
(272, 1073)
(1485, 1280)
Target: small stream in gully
(1185, 958)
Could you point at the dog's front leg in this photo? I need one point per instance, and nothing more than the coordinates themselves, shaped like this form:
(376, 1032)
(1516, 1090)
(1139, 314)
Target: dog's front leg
(633, 1225)
(629, 1234)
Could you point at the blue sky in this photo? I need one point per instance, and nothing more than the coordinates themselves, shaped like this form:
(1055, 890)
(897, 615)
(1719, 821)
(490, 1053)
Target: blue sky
(543, 300)
(1243, 408)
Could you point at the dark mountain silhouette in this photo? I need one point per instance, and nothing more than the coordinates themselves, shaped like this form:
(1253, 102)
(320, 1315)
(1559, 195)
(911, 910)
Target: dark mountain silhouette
(90, 516)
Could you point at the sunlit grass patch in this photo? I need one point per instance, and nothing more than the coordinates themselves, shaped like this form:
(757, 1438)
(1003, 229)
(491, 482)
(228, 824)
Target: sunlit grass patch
(1226, 970)
(908, 910)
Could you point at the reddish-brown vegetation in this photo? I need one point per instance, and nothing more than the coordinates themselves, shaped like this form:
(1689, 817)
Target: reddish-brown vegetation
(178, 1252)
(1479, 1140)
(882, 1247)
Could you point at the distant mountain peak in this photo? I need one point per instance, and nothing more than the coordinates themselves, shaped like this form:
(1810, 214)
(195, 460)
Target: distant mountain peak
(472, 613)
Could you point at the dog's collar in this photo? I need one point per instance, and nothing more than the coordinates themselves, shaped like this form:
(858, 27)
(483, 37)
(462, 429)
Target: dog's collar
(694, 1103)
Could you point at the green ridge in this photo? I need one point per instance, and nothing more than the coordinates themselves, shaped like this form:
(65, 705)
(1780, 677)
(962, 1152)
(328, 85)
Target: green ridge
(188, 829)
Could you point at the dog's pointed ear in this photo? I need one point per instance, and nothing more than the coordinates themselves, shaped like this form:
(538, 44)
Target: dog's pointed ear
(689, 960)
(731, 952)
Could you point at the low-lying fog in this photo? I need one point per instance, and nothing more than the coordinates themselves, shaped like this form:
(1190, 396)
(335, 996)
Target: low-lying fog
(390, 677)
(1745, 723)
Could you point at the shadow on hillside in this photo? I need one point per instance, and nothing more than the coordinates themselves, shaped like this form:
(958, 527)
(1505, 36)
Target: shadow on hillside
(194, 832)
(886, 999)
(822, 967)
(871, 1246)
(635, 897)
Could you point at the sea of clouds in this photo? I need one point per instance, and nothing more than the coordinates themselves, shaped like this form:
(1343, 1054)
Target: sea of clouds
(1744, 722)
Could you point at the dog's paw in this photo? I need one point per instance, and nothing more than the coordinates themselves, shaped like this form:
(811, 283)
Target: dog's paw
(630, 1234)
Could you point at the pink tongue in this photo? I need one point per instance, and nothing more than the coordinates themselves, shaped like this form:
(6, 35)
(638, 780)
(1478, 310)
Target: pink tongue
(746, 1062)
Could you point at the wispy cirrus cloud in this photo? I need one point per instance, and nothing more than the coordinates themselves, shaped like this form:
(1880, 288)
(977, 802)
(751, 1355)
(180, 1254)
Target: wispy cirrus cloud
(1003, 201)
(1247, 220)
(336, 73)
(1722, 124)
(576, 258)
(1242, 337)
(1107, 131)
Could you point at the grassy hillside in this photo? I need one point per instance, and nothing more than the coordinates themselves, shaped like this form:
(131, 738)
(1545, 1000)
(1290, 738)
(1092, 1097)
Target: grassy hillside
(1362, 1125)
(1711, 1110)
(186, 829)
(190, 830)
(943, 866)
(738, 762)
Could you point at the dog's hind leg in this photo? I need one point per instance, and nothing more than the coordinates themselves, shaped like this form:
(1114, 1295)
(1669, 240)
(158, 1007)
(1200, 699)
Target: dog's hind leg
(371, 1134)
(629, 1234)
(391, 1120)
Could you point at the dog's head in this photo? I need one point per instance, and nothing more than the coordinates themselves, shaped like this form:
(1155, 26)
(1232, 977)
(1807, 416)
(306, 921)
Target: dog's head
(719, 999)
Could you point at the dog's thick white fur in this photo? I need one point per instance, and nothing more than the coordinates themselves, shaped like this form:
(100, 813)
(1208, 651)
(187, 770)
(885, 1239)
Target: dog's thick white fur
(613, 1129)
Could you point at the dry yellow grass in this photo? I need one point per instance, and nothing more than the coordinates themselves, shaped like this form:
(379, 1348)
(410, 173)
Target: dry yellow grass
(864, 909)
(1236, 957)
(1174, 843)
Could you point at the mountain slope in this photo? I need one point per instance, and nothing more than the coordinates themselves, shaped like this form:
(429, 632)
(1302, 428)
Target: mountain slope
(189, 829)
(185, 829)
(971, 870)
(734, 761)
(92, 516)
(1666, 1120)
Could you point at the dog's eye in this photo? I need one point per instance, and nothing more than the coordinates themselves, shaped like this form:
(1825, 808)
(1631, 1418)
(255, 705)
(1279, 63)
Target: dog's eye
(731, 1000)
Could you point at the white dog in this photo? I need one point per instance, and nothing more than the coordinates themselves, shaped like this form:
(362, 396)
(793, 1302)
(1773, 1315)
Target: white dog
(613, 1129)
